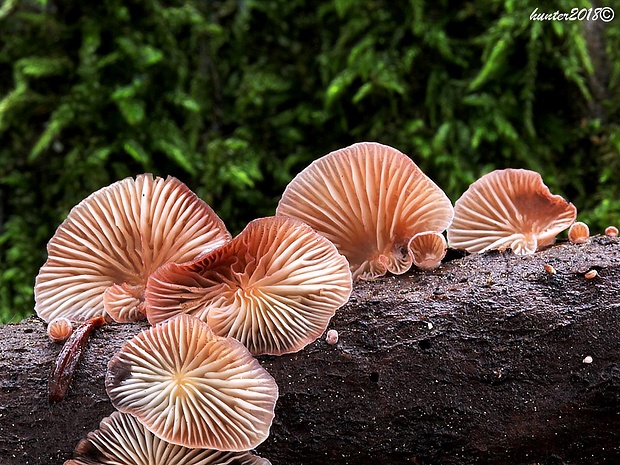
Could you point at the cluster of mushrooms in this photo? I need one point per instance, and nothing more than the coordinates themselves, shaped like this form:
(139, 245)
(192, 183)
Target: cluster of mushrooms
(188, 390)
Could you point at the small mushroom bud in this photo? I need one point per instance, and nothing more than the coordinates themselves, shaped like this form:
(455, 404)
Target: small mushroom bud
(591, 274)
(332, 337)
(59, 329)
(611, 231)
(578, 233)
(427, 249)
(549, 269)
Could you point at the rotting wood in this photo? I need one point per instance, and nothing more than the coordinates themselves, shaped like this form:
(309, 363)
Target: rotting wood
(481, 361)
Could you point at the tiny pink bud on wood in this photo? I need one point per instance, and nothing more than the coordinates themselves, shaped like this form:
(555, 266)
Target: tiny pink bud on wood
(59, 329)
(579, 233)
(591, 274)
(611, 231)
(332, 337)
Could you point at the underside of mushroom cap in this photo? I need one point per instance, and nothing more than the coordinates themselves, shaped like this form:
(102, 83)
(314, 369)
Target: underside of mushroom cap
(427, 250)
(274, 287)
(509, 208)
(114, 239)
(192, 388)
(122, 440)
(578, 233)
(369, 199)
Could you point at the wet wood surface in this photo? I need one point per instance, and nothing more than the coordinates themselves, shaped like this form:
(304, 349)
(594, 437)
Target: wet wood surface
(489, 359)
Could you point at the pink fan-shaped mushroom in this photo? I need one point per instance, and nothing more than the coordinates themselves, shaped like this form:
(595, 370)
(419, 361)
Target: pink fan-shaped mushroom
(103, 253)
(122, 440)
(274, 287)
(192, 388)
(509, 208)
(369, 199)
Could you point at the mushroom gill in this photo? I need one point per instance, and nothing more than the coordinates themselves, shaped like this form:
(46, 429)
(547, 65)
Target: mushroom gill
(192, 388)
(274, 287)
(101, 256)
(122, 440)
(509, 209)
(369, 199)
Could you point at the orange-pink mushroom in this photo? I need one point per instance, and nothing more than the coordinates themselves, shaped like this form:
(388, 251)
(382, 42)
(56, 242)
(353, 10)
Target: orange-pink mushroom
(578, 233)
(509, 209)
(101, 256)
(192, 388)
(59, 329)
(369, 199)
(274, 287)
(331, 337)
(428, 249)
(122, 440)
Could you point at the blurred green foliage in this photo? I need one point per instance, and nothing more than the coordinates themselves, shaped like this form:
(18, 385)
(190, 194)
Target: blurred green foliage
(234, 97)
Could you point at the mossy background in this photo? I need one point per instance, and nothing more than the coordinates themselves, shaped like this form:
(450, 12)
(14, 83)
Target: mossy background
(234, 97)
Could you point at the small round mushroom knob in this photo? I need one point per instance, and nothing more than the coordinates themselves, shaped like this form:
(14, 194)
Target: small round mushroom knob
(611, 231)
(578, 233)
(59, 329)
(428, 250)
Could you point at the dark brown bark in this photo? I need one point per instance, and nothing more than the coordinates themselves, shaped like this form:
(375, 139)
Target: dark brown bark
(480, 361)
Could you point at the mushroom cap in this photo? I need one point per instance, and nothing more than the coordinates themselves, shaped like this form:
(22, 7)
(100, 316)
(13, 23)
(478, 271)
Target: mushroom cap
(509, 208)
(124, 302)
(578, 233)
(611, 231)
(122, 440)
(369, 199)
(428, 250)
(59, 329)
(190, 387)
(274, 287)
(101, 256)
(331, 337)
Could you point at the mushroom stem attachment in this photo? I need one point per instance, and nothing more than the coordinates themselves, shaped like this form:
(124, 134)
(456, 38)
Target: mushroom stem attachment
(68, 358)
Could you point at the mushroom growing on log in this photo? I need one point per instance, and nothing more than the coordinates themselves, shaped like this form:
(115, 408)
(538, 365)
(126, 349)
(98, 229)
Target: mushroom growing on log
(509, 209)
(274, 287)
(369, 199)
(190, 387)
(102, 255)
(122, 440)
(489, 359)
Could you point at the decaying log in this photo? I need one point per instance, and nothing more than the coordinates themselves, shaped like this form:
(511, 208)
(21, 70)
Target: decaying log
(489, 359)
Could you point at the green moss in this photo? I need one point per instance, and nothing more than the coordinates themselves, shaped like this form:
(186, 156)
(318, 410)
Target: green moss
(235, 98)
